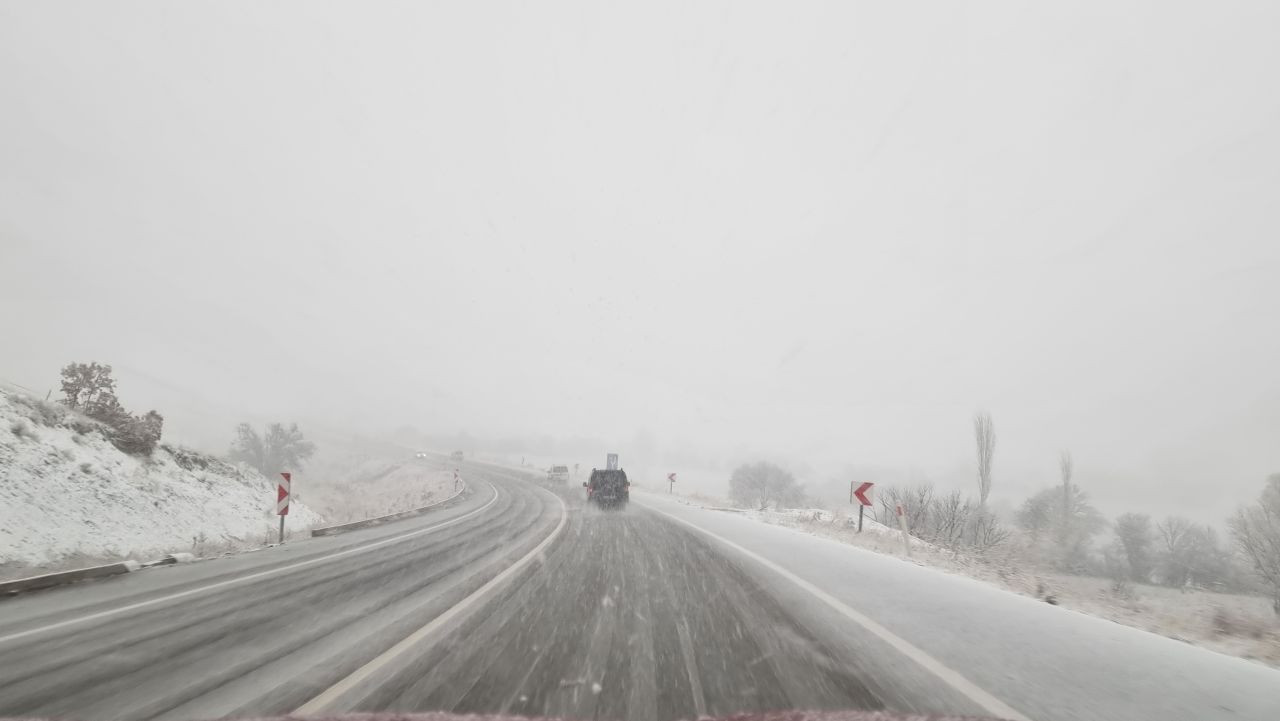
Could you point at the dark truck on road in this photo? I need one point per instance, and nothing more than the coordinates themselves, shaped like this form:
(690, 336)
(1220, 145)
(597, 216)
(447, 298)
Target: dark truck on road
(608, 488)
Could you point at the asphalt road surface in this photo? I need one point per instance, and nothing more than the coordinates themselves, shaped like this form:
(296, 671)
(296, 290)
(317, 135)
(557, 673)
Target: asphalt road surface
(510, 599)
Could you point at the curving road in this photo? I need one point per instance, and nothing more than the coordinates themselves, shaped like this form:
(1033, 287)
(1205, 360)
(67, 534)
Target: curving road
(515, 599)
(622, 615)
(260, 632)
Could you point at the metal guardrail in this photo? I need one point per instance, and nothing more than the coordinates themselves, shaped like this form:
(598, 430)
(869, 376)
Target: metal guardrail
(49, 580)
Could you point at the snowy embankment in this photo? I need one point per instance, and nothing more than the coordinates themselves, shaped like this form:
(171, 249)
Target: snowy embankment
(349, 484)
(67, 496)
(1236, 624)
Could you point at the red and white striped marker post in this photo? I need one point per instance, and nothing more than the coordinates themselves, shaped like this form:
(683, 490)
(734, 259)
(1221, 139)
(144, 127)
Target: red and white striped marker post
(906, 537)
(283, 490)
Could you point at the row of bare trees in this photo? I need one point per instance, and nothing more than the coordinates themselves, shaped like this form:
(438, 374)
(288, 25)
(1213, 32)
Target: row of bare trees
(1059, 525)
(953, 521)
(1175, 552)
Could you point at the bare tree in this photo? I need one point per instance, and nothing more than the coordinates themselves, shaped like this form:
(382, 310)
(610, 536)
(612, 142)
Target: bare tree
(758, 485)
(984, 531)
(1190, 554)
(1071, 533)
(1066, 466)
(1176, 538)
(1256, 530)
(279, 449)
(1133, 531)
(917, 506)
(984, 431)
(948, 520)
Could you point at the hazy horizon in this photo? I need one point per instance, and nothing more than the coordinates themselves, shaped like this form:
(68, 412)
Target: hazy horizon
(823, 234)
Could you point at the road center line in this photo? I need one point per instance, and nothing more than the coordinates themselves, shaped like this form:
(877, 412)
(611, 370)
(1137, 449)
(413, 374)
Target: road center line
(321, 703)
(969, 689)
(250, 577)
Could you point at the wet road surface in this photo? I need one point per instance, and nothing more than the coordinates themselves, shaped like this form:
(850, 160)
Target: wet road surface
(623, 615)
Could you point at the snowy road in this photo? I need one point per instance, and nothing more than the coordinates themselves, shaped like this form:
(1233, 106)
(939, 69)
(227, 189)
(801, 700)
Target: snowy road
(634, 615)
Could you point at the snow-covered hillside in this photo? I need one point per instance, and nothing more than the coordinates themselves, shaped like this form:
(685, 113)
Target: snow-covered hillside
(68, 494)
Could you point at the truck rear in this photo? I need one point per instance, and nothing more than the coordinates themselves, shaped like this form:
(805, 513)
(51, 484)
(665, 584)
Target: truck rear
(608, 488)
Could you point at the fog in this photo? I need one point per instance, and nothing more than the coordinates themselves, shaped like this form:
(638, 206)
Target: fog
(822, 234)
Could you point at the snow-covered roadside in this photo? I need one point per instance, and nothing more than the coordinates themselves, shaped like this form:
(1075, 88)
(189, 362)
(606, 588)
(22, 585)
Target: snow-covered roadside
(1235, 624)
(69, 497)
(352, 486)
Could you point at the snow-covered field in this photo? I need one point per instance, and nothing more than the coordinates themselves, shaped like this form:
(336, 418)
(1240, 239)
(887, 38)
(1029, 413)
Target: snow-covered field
(70, 498)
(1236, 624)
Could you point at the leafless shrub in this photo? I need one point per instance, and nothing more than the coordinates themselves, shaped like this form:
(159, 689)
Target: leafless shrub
(41, 413)
(947, 520)
(985, 531)
(21, 429)
(1121, 588)
(952, 521)
(1229, 623)
(916, 504)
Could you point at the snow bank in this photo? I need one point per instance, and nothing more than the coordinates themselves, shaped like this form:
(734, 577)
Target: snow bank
(1235, 624)
(67, 494)
(807, 518)
(349, 484)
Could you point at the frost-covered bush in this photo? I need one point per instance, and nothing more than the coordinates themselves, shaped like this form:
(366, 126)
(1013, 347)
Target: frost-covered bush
(90, 389)
(22, 429)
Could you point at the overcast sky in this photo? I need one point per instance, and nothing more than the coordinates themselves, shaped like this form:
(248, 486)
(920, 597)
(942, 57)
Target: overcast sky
(821, 233)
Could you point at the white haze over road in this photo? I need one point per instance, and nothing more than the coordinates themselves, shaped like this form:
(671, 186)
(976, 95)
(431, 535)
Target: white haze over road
(823, 233)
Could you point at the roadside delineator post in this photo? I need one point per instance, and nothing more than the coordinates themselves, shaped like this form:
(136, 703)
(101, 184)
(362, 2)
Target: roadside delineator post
(671, 482)
(283, 490)
(902, 523)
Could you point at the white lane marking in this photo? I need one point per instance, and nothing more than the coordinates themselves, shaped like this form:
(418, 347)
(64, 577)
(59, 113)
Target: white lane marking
(250, 577)
(972, 691)
(691, 667)
(334, 692)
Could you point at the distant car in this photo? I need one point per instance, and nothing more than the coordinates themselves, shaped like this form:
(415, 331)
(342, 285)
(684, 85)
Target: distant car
(608, 488)
(419, 454)
(558, 475)
(455, 456)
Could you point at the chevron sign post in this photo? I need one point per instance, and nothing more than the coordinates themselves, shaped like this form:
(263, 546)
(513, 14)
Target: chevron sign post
(283, 489)
(860, 492)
